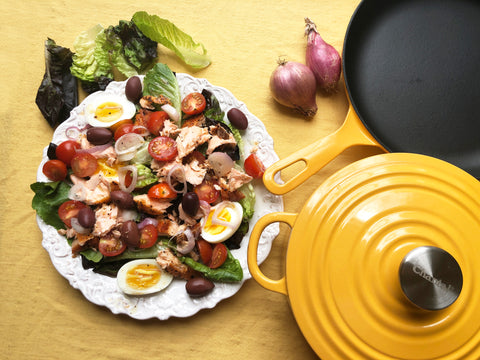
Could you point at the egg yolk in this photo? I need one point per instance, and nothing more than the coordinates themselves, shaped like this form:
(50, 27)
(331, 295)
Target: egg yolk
(143, 276)
(108, 111)
(215, 229)
(106, 170)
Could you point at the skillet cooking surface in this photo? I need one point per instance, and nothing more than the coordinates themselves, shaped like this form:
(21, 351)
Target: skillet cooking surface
(412, 73)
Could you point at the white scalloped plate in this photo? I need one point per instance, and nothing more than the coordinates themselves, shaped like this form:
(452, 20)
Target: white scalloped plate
(173, 301)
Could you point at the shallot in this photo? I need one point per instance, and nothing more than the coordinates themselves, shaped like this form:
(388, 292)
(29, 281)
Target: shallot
(293, 85)
(322, 58)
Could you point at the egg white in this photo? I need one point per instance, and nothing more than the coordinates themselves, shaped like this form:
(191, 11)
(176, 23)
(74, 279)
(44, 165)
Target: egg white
(123, 273)
(236, 213)
(128, 109)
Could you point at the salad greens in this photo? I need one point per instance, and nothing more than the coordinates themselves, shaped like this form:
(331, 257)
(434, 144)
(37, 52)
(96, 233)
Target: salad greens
(48, 198)
(160, 80)
(230, 271)
(57, 94)
(129, 47)
(170, 36)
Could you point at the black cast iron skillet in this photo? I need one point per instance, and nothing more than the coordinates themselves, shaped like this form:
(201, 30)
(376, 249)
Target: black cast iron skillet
(412, 76)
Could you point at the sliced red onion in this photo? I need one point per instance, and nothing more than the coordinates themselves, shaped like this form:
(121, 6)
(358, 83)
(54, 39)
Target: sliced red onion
(78, 192)
(77, 227)
(218, 209)
(220, 162)
(128, 143)
(122, 173)
(182, 179)
(95, 149)
(147, 221)
(72, 132)
(172, 112)
(186, 246)
(205, 207)
(141, 130)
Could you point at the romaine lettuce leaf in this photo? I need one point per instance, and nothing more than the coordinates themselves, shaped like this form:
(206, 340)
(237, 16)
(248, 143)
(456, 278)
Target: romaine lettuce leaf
(160, 80)
(167, 34)
(230, 271)
(90, 60)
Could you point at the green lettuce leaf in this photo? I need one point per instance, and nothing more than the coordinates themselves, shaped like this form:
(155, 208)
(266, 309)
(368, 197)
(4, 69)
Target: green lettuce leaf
(145, 176)
(166, 33)
(230, 271)
(160, 80)
(90, 60)
(48, 198)
(248, 202)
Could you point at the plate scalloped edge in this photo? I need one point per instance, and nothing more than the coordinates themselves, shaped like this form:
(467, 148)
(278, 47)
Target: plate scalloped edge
(173, 301)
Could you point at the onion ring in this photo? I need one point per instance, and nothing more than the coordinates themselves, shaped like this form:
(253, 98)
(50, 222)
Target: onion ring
(128, 143)
(77, 227)
(122, 174)
(218, 209)
(175, 168)
(185, 247)
(77, 192)
(147, 221)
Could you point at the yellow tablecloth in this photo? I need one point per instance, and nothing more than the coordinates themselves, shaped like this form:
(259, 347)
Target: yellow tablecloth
(43, 317)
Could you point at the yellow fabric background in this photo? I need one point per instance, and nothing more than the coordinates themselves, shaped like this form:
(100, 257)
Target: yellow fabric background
(43, 317)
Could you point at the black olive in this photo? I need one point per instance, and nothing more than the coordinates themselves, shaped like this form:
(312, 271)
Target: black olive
(51, 151)
(122, 199)
(86, 217)
(190, 203)
(237, 119)
(99, 135)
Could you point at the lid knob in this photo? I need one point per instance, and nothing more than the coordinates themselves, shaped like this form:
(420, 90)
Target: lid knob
(430, 278)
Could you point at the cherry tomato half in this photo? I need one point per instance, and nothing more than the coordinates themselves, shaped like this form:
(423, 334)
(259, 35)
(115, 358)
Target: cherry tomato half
(66, 151)
(206, 191)
(122, 130)
(115, 126)
(148, 236)
(155, 121)
(161, 191)
(84, 164)
(163, 148)
(205, 251)
(193, 103)
(68, 210)
(55, 170)
(254, 166)
(111, 246)
(219, 255)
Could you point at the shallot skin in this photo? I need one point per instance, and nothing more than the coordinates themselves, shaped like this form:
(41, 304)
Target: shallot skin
(322, 58)
(293, 84)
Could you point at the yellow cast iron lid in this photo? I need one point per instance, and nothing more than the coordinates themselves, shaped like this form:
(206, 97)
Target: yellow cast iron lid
(347, 246)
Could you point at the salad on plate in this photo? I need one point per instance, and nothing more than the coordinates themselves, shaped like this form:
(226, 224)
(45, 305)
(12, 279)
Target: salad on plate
(150, 187)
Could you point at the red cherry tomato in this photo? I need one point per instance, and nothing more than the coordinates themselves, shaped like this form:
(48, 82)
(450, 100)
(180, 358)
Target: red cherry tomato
(193, 103)
(205, 251)
(155, 121)
(84, 164)
(111, 246)
(254, 166)
(161, 191)
(115, 126)
(219, 255)
(206, 191)
(66, 151)
(55, 170)
(122, 130)
(68, 210)
(163, 148)
(148, 236)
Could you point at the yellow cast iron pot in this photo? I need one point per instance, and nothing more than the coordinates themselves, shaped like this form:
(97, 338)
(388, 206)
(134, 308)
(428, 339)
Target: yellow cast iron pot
(352, 246)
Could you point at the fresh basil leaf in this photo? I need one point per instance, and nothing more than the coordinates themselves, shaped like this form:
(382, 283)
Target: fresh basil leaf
(48, 198)
(166, 33)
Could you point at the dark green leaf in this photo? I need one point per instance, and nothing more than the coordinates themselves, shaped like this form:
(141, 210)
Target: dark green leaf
(48, 198)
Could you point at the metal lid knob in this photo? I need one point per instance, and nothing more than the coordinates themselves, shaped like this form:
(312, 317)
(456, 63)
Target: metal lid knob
(430, 278)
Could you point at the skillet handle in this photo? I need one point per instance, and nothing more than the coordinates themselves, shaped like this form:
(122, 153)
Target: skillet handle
(279, 285)
(315, 156)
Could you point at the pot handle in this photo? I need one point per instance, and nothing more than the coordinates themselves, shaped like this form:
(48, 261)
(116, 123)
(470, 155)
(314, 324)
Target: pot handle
(279, 285)
(315, 156)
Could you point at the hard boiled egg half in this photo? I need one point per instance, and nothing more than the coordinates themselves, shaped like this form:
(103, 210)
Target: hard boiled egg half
(105, 110)
(222, 221)
(142, 277)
